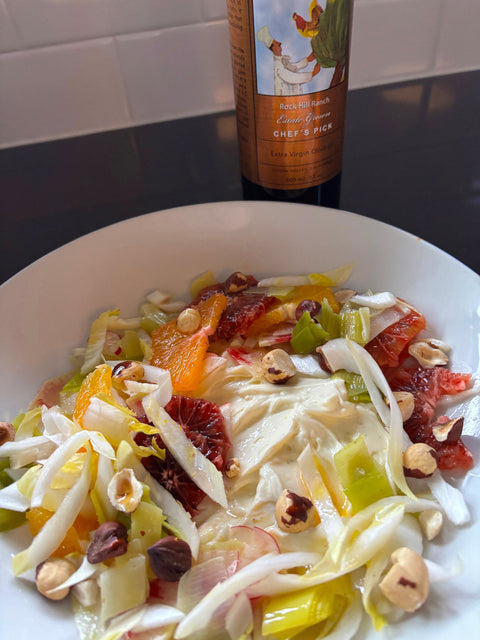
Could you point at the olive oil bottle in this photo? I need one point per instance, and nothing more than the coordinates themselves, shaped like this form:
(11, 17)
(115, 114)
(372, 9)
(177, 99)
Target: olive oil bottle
(290, 67)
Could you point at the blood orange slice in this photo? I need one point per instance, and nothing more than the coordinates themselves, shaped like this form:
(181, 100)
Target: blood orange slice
(171, 475)
(242, 310)
(389, 348)
(427, 387)
(244, 307)
(203, 424)
(183, 354)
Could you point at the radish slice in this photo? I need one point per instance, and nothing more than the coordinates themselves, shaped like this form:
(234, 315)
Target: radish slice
(257, 543)
(199, 616)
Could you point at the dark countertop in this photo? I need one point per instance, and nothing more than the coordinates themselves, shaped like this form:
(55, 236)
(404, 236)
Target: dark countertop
(411, 159)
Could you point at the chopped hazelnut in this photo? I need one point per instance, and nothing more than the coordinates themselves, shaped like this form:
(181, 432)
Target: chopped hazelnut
(431, 521)
(449, 431)
(7, 432)
(170, 558)
(125, 491)
(427, 354)
(312, 306)
(232, 468)
(189, 320)
(51, 574)
(277, 366)
(294, 513)
(322, 361)
(128, 370)
(406, 403)
(109, 541)
(419, 460)
(236, 282)
(406, 584)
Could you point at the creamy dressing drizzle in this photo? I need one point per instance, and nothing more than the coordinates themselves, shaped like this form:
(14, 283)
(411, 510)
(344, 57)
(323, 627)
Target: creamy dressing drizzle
(270, 427)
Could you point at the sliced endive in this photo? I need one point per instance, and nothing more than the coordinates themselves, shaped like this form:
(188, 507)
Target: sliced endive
(346, 354)
(199, 468)
(54, 530)
(62, 455)
(96, 341)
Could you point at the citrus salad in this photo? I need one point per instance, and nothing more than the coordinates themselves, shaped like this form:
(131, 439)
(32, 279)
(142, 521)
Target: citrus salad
(266, 461)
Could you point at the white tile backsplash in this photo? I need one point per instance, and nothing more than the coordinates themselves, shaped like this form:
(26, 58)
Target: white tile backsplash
(459, 36)
(45, 22)
(45, 96)
(70, 67)
(9, 35)
(183, 71)
(214, 9)
(393, 39)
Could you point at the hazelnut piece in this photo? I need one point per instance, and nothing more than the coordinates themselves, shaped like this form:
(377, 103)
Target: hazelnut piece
(7, 432)
(232, 468)
(419, 460)
(125, 491)
(237, 282)
(189, 320)
(109, 541)
(406, 585)
(445, 430)
(294, 513)
(406, 403)
(277, 366)
(322, 361)
(51, 574)
(170, 558)
(431, 521)
(127, 370)
(312, 306)
(427, 354)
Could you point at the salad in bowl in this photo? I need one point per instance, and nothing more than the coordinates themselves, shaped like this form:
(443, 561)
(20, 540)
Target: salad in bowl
(269, 458)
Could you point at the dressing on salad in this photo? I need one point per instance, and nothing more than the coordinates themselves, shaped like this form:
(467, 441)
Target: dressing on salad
(264, 462)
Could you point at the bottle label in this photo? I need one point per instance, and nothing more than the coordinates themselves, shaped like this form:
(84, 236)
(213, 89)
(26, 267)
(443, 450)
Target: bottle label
(290, 68)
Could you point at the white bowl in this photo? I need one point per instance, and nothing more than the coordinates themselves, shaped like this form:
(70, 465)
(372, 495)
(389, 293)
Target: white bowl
(47, 309)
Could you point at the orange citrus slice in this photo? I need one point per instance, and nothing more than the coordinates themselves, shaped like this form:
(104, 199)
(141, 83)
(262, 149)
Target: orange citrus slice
(98, 381)
(281, 312)
(37, 517)
(183, 354)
